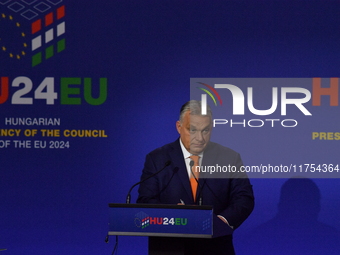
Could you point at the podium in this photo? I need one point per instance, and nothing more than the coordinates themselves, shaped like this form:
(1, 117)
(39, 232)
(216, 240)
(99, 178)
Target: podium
(167, 226)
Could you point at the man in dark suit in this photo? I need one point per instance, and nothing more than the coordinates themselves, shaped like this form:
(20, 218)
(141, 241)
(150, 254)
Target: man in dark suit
(230, 192)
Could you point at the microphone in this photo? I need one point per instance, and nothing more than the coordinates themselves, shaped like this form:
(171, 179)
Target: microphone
(128, 197)
(191, 165)
(199, 186)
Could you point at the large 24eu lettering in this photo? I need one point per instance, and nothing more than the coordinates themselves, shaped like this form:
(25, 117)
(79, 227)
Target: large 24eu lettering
(72, 91)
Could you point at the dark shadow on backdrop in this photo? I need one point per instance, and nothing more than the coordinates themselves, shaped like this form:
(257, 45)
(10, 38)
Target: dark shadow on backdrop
(295, 229)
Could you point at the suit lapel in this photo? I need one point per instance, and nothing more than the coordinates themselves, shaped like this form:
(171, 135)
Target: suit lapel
(178, 160)
(209, 155)
(209, 158)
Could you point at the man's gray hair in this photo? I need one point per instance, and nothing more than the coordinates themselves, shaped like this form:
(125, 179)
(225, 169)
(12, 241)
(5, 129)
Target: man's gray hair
(195, 108)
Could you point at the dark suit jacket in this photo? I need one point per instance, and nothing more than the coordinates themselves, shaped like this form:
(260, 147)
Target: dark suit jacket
(231, 196)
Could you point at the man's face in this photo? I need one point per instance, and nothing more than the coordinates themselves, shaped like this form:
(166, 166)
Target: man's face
(195, 132)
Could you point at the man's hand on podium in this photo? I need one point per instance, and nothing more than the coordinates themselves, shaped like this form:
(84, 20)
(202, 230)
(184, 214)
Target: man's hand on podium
(224, 220)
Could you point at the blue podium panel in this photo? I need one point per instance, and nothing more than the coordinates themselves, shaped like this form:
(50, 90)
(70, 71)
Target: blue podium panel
(161, 220)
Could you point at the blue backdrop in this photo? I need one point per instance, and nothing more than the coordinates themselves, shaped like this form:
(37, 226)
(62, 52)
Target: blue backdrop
(55, 200)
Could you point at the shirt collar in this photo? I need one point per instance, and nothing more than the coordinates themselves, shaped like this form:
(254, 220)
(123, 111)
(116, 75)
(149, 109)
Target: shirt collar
(186, 153)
